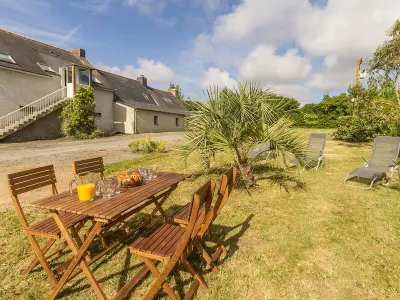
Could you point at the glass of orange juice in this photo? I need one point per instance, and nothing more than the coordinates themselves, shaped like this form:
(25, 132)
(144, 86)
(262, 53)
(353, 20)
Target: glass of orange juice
(86, 191)
(85, 185)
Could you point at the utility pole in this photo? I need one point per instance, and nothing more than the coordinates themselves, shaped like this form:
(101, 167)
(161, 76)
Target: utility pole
(358, 69)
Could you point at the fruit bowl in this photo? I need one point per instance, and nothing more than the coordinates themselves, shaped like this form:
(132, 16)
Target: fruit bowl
(129, 179)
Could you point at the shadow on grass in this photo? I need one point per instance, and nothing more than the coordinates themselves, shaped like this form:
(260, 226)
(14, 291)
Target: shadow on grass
(195, 259)
(354, 144)
(279, 177)
(213, 172)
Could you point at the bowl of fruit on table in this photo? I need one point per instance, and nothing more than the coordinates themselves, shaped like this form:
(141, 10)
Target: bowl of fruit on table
(130, 179)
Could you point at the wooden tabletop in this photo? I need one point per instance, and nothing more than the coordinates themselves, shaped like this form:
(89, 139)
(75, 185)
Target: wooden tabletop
(111, 208)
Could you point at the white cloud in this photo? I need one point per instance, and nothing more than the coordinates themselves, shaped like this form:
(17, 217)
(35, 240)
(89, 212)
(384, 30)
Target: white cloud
(346, 28)
(216, 77)
(155, 71)
(339, 34)
(335, 74)
(299, 92)
(265, 65)
(270, 19)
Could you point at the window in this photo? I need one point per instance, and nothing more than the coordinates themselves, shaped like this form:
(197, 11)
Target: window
(96, 80)
(83, 76)
(155, 120)
(177, 121)
(69, 75)
(146, 97)
(167, 100)
(7, 58)
(47, 69)
(154, 98)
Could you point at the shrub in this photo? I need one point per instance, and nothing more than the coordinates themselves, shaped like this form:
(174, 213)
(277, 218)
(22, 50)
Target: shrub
(79, 115)
(364, 126)
(148, 146)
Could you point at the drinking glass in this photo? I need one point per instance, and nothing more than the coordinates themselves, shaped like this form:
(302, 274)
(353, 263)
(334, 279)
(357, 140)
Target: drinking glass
(144, 173)
(108, 188)
(98, 187)
(117, 183)
(152, 173)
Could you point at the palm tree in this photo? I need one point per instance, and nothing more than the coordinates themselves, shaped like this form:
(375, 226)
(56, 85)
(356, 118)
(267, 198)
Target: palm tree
(239, 119)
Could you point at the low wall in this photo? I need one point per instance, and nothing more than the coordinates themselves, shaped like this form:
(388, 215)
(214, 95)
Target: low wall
(46, 128)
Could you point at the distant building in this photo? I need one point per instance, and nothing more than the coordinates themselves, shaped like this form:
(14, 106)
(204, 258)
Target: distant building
(37, 79)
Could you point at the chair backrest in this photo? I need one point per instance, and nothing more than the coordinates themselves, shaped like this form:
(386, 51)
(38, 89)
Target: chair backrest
(316, 143)
(225, 189)
(29, 180)
(227, 182)
(196, 218)
(262, 148)
(93, 165)
(384, 152)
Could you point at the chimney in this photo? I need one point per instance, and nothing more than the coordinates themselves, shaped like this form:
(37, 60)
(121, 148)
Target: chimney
(142, 80)
(81, 53)
(172, 91)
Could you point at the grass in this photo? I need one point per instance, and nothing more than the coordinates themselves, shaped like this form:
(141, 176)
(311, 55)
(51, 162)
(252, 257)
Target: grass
(317, 240)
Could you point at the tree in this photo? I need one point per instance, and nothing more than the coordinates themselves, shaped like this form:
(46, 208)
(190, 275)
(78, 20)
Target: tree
(385, 64)
(179, 94)
(238, 119)
(79, 115)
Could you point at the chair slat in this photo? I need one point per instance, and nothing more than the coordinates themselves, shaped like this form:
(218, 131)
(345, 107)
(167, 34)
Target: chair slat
(31, 171)
(25, 181)
(33, 187)
(94, 165)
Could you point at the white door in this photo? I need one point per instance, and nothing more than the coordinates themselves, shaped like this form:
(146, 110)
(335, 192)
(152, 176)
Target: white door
(70, 84)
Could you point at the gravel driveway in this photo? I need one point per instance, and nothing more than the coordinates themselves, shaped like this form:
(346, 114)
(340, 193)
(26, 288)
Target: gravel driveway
(61, 153)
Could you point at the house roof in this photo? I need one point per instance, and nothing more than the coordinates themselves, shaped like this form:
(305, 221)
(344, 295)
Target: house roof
(131, 92)
(27, 53)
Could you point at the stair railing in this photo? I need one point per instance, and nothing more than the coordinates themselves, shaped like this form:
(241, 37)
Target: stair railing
(33, 107)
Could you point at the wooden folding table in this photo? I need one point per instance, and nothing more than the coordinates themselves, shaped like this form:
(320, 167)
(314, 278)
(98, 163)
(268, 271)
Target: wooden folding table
(105, 214)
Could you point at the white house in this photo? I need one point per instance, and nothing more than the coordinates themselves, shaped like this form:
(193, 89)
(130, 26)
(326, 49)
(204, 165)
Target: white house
(37, 79)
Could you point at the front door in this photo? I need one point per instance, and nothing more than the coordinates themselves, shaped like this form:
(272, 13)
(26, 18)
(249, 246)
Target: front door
(68, 82)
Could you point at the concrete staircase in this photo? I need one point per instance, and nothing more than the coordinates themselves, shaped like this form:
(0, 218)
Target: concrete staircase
(28, 114)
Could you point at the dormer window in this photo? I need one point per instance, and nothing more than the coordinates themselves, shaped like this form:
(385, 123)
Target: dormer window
(96, 80)
(167, 100)
(154, 98)
(7, 58)
(47, 69)
(146, 97)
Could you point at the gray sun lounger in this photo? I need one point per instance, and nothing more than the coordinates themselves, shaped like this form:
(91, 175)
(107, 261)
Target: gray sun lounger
(315, 151)
(383, 160)
(263, 150)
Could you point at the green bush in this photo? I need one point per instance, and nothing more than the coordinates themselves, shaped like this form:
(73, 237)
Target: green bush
(79, 115)
(364, 126)
(324, 114)
(148, 146)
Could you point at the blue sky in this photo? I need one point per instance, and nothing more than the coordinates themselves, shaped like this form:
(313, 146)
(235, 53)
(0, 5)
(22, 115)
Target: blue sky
(299, 48)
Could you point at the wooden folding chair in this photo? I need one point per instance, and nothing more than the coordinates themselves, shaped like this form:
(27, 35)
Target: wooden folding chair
(29, 180)
(93, 165)
(81, 168)
(181, 218)
(172, 244)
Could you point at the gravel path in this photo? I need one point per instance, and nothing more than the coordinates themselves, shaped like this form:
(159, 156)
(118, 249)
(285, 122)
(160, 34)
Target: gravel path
(15, 157)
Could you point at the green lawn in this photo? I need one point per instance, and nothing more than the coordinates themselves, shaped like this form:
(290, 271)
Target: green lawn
(317, 240)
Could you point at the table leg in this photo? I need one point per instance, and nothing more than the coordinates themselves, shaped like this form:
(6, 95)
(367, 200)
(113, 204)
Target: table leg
(78, 258)
(162, 198)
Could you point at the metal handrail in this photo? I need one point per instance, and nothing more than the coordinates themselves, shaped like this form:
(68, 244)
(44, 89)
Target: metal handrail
(33, 108)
